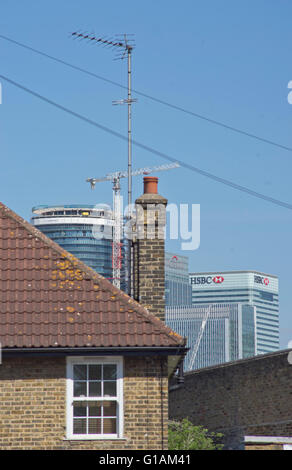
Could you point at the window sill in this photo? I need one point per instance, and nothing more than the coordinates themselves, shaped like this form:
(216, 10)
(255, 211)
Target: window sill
(95, 438)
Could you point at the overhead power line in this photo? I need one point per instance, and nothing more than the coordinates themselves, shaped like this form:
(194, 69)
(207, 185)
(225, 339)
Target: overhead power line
(188, 166)
(152, 98)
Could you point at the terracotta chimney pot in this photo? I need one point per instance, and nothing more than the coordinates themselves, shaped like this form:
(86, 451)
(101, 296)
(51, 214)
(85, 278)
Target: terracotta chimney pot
(150, 184)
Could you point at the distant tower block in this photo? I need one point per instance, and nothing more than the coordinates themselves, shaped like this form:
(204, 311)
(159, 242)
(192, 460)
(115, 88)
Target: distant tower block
(83, 230)
(149, 249)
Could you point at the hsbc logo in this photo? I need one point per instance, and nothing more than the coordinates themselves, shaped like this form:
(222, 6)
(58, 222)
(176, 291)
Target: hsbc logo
(218, 279)
(173, 261)
(201, 280)
(261, 280)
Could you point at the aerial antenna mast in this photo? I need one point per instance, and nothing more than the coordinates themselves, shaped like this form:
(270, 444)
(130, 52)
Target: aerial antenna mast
(125, 48)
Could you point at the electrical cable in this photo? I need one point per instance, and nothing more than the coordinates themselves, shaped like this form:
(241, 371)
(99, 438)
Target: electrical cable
(149, 149)
(157, 100)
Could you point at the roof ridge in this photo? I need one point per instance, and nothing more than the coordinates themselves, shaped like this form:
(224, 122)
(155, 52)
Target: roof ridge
(105, 283)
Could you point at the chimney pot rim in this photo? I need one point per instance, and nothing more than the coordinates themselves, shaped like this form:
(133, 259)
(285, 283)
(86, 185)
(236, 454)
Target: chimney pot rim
(149, 178)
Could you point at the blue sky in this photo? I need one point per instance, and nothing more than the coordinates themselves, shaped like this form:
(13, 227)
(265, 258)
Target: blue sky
(230, 61)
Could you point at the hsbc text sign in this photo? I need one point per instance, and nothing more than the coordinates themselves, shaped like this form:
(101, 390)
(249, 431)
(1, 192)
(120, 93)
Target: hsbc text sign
(261, 280)
(240, 280)
(201, 280)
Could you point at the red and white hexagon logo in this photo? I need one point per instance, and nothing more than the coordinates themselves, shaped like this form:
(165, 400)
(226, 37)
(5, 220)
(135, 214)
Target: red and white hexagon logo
(266, 281)
(218, 279)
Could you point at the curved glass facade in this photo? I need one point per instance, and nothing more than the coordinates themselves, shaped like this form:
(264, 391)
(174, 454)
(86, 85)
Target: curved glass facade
(80, 230)
(78, 240)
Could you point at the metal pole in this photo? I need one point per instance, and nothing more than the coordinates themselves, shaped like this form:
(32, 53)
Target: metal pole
(130, 257)
(117, 233)
(126, 49)
(129, 131)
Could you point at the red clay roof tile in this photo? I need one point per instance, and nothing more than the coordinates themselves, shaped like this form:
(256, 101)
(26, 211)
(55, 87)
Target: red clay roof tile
(50, 299)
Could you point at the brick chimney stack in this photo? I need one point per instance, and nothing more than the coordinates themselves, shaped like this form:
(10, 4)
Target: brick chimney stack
(149, 249)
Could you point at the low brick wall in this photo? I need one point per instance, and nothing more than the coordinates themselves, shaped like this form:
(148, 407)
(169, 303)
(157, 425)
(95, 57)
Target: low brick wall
(33, 405)
(264, 447)
(247, 397)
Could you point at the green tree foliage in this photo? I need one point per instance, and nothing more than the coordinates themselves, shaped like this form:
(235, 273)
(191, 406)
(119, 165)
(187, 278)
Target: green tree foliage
(183, 435)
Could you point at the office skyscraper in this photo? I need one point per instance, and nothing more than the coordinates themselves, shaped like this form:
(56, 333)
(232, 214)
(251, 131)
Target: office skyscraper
(215, 333)
(246, 287)
(177, 287)
(83, 230)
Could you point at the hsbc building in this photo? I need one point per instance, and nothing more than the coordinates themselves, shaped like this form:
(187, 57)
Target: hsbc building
(245, 287)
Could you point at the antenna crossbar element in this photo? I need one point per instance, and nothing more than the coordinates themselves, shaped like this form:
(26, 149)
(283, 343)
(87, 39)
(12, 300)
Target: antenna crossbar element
(122, 44)
(125, 101)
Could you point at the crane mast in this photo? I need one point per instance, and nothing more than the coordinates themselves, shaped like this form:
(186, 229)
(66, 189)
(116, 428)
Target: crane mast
(117, 217)
(197, 343)
(117, 233)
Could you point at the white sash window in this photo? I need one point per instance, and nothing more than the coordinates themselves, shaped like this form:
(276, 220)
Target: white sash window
(94, 398)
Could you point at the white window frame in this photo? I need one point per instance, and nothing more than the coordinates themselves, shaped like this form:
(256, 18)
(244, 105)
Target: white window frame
(73, 360)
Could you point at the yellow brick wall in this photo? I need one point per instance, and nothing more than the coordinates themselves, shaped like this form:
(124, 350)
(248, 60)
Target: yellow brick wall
(33, 405)
(264, 447)
(251, 397)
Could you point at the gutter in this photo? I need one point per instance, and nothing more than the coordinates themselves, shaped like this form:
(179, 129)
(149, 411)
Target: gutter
(89, 351)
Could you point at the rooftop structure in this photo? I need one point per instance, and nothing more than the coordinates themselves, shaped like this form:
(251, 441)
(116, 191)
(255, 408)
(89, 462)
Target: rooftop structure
(50, 299)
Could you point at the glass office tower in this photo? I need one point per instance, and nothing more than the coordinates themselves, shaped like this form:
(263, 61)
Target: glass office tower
(177, 287)
(216, 333)
(83, 230)
(247, 287)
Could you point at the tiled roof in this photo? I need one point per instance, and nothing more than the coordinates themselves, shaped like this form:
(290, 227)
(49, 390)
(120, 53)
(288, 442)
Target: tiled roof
(50, 299)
